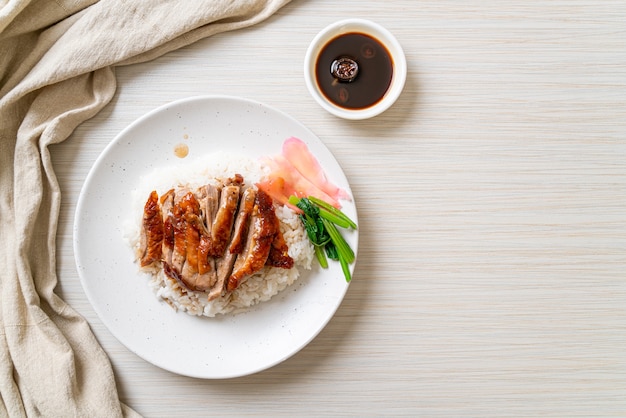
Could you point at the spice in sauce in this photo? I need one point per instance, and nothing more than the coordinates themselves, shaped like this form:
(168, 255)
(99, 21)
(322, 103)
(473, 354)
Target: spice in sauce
(354, 70)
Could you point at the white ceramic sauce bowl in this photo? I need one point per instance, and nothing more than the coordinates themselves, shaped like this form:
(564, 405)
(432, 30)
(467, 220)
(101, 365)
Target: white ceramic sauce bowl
(374, 30)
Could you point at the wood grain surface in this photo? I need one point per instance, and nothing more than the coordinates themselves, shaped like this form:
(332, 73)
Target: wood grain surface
(491, 278)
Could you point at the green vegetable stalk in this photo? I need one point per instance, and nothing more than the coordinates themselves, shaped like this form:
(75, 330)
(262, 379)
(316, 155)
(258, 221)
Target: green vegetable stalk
(320, 220)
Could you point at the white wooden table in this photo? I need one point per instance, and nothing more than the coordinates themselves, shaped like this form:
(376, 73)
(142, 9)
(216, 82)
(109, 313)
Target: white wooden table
(491, 278)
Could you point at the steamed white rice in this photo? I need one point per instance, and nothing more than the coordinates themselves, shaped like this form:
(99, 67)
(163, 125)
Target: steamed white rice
(257, 288)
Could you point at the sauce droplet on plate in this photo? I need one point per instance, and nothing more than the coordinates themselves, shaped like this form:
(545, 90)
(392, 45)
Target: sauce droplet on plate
(181, 150)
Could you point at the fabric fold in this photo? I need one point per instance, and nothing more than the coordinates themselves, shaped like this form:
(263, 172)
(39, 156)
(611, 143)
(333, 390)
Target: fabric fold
(57, 70)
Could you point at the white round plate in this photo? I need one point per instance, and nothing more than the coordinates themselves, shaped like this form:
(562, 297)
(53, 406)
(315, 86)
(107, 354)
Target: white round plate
(229, 345)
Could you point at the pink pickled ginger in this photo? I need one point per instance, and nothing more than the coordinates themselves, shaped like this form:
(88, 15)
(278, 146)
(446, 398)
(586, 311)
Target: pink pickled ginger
(298, 154)
(296, 172)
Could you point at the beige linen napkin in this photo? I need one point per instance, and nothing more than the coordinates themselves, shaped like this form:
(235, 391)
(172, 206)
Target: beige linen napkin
(57, 62)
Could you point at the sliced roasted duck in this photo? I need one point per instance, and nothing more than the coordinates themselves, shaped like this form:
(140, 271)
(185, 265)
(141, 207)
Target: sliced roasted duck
(262, 230)
(213, 238)
(190, 235)
(223, 223)
(208, 197)
(279, 253)
(240, 231)
(152, 231)
(167, 248)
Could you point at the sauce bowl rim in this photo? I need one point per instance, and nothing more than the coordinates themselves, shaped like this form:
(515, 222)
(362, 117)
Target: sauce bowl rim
(374, 30)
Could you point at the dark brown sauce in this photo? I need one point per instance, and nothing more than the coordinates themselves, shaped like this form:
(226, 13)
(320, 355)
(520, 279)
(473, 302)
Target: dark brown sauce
(375, 71)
